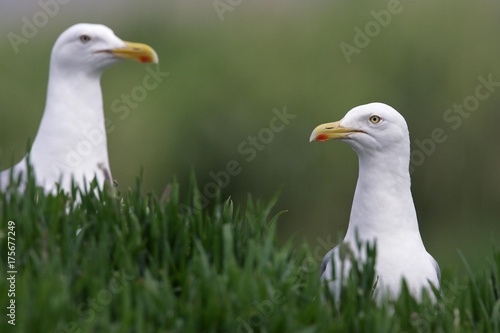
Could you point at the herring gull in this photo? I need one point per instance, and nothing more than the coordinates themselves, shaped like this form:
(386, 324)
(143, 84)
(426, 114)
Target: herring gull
(382, 211)
(71, 144)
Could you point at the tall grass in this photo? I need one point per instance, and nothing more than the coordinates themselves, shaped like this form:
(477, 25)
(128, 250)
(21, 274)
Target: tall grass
(130, 262)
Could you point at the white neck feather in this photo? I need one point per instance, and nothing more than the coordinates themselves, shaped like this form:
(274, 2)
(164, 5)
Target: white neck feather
(72, 135)
(382, 203)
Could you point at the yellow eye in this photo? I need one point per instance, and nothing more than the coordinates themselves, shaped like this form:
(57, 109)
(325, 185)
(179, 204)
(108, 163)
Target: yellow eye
(85, 38)
(375, 119)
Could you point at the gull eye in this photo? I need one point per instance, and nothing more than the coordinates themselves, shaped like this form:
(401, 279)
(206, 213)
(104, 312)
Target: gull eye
(375, 119)
(85, 38)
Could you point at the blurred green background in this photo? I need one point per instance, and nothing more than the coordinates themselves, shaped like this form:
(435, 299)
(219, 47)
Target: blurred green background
(227, 76)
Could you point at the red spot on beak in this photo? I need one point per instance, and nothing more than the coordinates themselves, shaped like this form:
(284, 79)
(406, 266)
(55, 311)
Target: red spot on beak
(321, 137)
(144, 59)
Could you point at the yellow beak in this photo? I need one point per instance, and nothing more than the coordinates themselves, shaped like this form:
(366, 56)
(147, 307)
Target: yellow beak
(136, 51)
(331, 131)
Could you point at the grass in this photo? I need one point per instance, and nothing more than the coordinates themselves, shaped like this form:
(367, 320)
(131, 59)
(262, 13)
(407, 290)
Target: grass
(140, 264)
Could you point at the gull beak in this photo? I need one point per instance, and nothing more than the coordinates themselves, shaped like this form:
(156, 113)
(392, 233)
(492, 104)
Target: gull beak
(331, 131)
(136, 51)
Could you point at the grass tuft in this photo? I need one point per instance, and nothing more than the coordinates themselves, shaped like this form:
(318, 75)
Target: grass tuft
(144, 264)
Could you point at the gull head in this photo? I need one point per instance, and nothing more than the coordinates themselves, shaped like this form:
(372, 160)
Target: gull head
(90, 48)
(367, 129)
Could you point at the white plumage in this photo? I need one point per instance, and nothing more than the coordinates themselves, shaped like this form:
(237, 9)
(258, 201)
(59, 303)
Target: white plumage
(382, 209)
(71, 140)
